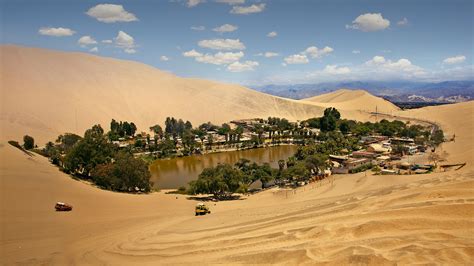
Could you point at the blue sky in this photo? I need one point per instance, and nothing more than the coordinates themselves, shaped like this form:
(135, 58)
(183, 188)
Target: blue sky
(232, 40)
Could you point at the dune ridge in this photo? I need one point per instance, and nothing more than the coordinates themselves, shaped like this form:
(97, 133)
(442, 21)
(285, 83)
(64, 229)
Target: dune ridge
(45, 93)
(360, 100)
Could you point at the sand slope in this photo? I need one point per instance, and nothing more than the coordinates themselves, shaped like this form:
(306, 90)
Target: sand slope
(356, 219)
(345, 99)
(45, 93)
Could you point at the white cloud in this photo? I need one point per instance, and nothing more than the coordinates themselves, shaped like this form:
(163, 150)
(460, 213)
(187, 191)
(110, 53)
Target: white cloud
(272, 34)
(130, 50)
(110, 13)
(164, 58)
(270, 54)
(198, 28)
(225, 28)
(193, 3)
(369, 22)
(403, 67)
(334, 70)
(454, 60)
(86, 40)
(245, 10)
(403, 22)
(222, 44)
(312, 51)
(56, 32)
(231, 2)
(241, 67)
(296, 59)
(356, 51)
(107, 41)
(192, 53)
(220, 58)
(94, 50)
(376, 60)
(124, 40)
(315, 52)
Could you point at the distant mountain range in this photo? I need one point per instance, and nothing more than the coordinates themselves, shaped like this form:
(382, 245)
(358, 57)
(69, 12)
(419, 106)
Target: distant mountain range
(394, 91)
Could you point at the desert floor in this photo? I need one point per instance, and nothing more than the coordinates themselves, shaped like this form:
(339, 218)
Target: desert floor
(361, 219)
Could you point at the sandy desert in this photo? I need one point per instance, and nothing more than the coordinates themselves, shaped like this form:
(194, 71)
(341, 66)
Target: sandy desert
(349, 219)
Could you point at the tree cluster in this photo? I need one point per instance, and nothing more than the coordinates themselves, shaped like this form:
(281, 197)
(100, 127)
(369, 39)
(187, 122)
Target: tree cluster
(95, 158)
(121, 129)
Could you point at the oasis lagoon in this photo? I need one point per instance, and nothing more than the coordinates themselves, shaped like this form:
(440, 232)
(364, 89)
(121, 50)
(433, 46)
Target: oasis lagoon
(176, 172)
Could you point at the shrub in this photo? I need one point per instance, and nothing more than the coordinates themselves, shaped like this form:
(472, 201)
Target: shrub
(29, 142)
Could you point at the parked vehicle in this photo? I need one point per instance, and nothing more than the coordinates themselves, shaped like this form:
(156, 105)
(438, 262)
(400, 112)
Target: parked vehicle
(63, 207)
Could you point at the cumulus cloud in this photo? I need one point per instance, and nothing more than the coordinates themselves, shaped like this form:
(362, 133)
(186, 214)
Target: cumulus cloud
(296, 59)
(164, 58)
(335, 70)
(272, 34)
(107, 41)
(94, 50)
(86, 40)
(403, 22)
(402, 68)
(192, 53)
(245, 10)
(229, 59)
(315, 52)
(198, 28)
(110, 13)
(312, 51)
(222, 44)
(56, 32)
(130, 51)
(193, 3)
(241, 67)
(356, 51)
(225, 28)
(270, 54)
(231, 2)
(220, 58)
(369, 22)
(125, 42)
(454, 60)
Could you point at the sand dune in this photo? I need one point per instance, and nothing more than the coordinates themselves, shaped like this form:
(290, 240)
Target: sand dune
(360, 100)
(45, 93)
(355, 219)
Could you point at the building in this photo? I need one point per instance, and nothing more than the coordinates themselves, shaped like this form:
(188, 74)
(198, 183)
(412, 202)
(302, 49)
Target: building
(364, 154)
(378, 148)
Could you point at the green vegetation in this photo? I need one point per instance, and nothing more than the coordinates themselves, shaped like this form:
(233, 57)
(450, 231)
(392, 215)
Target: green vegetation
(124, 174)
(438, 137)
(28, 142)
(95, 158)
(107, 160)
(18, 146)
(121, 129)
(92, 150)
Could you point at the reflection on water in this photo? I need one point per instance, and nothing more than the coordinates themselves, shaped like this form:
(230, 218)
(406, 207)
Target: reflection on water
(179, 171)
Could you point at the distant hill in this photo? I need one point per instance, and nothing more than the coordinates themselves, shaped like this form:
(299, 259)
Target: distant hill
(395, 91)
